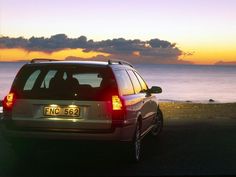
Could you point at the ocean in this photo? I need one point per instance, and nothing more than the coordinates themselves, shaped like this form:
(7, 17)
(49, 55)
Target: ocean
(195, 83)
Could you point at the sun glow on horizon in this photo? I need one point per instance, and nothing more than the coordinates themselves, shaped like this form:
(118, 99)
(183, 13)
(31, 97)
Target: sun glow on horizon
(209, 54)
(16, 54)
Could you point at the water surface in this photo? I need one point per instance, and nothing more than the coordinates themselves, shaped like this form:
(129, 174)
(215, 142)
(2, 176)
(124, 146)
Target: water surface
(179, 82)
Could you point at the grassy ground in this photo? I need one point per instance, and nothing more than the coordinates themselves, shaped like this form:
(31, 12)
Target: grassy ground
(176, 110)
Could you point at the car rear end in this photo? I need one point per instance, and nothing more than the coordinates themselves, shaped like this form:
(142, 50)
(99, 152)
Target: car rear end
(67, 100)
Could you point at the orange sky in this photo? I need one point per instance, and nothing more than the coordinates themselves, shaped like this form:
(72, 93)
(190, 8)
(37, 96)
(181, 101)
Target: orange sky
(21, 54)
(205, 54)
(209, 53)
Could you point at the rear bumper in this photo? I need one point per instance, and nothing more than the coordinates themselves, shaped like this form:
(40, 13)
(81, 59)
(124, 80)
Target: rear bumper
(124, 133)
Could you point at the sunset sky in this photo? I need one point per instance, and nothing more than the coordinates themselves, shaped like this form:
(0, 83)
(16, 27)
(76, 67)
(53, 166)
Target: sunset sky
(203, 30)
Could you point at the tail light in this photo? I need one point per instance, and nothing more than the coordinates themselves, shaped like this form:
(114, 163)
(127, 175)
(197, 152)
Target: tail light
(116, 103)
(9, 101)
(118, 111)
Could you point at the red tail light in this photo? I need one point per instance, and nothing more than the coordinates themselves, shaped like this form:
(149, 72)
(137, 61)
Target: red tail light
(116, 103)
(118, 111)
(9, 101)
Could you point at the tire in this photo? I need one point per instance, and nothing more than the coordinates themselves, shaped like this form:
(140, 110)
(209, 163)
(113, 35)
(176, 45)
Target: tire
(158, 124)
(135, 149)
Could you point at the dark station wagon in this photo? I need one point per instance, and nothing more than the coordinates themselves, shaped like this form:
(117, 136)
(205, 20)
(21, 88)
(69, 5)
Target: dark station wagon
(82, 100)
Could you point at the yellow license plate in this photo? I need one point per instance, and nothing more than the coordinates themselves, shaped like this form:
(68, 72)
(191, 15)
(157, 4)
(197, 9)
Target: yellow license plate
(61, 111)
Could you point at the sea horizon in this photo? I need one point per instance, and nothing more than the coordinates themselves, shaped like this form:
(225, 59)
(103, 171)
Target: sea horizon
(180, 82)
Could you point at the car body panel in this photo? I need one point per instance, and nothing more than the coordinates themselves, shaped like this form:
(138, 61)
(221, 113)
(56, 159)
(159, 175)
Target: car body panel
(93, 114)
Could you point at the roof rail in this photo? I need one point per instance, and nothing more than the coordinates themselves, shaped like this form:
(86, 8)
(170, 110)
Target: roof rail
(121, 62)
(35, 60)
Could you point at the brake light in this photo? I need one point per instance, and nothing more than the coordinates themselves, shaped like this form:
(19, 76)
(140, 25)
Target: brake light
(9, 101)
(116, 103)
(118, 111)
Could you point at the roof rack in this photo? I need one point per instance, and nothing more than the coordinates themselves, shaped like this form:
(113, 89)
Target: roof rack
(121, 62)
(35, 60)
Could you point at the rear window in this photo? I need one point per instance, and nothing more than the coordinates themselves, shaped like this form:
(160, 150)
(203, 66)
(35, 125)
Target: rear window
(66, 82)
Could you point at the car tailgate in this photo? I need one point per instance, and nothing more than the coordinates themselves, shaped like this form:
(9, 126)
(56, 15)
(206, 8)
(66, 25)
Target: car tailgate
(93, 115)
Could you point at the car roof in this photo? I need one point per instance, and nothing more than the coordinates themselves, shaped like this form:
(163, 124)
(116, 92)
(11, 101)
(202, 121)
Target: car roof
(111, 63)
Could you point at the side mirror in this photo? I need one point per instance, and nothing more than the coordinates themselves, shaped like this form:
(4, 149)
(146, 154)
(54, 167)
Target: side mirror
(155, 89)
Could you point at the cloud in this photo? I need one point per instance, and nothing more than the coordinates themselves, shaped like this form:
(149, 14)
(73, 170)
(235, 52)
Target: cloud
(6, 42)
(157, 43)
(154, 50)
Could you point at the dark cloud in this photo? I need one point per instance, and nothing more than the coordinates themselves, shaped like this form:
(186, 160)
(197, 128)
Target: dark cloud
(157, 43)
(6, 42)
(156, 50)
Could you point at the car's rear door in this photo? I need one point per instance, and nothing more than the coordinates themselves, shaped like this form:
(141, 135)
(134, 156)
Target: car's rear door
(151, 99)
(145, 109)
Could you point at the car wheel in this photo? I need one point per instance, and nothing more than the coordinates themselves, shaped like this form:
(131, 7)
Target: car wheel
(135, 149)
(157, 123)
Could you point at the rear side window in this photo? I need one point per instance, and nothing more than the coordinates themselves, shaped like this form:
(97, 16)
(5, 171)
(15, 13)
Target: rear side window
(124, 83)
(137, 86)
(66, 82)
(142, 82)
